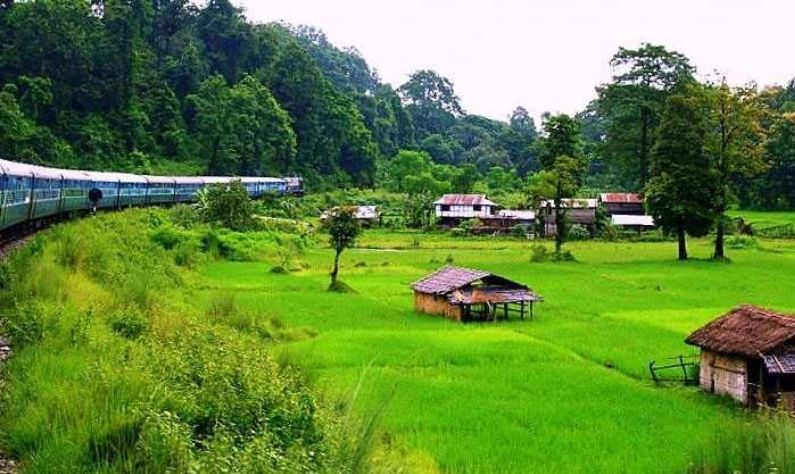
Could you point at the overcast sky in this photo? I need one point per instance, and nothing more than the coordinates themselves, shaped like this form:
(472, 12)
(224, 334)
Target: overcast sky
(546, 55)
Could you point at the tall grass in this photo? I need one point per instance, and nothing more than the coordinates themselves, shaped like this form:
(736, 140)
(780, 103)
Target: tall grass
(760, 446)
(118, 370)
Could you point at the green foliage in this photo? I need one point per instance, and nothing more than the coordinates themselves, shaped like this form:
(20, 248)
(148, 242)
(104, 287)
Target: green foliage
(632, 106)
(168, 388)
(757, 446)
(229, 206)
(680, 193)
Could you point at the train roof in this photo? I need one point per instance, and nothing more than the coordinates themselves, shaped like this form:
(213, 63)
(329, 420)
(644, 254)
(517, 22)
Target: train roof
(108, 177)
(188, 180)
(159, 179)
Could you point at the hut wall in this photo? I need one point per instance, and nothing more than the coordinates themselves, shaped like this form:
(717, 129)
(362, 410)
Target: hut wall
(434, 304)
(430, 304)
(724, 375)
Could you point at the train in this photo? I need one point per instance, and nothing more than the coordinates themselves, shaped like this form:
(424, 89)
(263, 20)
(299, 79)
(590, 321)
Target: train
(32, 194)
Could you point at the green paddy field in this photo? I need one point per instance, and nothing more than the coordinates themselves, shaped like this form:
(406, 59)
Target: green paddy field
(567, 392)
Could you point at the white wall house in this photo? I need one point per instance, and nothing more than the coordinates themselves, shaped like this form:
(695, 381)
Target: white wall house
(451, 209)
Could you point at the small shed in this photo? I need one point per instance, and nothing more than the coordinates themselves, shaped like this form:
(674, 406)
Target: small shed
(622, 203)
(464, 294)
(749, 355)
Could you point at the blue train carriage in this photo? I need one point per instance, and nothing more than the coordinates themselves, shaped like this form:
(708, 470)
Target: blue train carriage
(119, 189)
(187, 187)
(160, 189)
(17, 192)
(259, 186)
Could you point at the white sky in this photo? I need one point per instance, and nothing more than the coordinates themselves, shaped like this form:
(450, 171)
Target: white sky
(546, 55)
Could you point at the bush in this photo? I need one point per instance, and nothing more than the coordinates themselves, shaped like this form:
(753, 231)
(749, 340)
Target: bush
(129, 324)
(458, 232)
(167, 236)
(739, 242)
(578, 232)
(540, 254)
(519, 231)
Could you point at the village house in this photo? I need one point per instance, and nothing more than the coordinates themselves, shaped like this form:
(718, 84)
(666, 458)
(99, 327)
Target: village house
(749, 355)
(578, 211)
(508, 220)
(464, 294)
(368, 216)
(452, 209)
(622, 203)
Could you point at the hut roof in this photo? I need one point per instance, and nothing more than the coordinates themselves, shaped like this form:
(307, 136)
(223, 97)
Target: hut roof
(448, 279)
(464, 200)
(747, 330)
(621, 198)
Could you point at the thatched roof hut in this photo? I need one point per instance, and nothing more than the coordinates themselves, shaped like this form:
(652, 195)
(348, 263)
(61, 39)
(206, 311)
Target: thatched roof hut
(747, 331)
(749, 354)
(465, 294)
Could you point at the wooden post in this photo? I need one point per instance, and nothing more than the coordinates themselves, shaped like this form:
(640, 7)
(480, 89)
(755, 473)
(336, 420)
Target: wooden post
(505, 309)
(531, 311)
(521, 310)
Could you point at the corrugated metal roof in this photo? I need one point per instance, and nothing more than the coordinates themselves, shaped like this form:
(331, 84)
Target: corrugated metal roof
(495, 295)
(782, 363)
(464, 200)
(569, 203)
(629, 220)
(621, 198)
(524, 215)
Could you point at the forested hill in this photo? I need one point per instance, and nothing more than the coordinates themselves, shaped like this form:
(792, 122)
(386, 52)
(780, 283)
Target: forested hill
(170, 87)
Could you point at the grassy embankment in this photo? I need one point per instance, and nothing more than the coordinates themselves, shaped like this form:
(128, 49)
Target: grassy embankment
(117, 370)
(568, 392)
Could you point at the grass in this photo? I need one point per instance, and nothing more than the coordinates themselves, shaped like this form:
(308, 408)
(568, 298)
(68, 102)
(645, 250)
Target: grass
(116, 369)
(567, 392)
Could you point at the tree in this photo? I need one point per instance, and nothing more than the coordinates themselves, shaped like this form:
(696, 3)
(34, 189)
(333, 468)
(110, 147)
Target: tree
(343, 229)
(564, 165)
(777, 187)
(561, 138)
(431, 101)
(735, 143)
(632, 104)
(228, 205)
(680, 192)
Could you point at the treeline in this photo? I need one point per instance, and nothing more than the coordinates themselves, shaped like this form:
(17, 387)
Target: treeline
(172, 87)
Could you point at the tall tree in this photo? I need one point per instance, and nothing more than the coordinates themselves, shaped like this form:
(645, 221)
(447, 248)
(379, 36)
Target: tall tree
(633, 102)
(564, 164)
(682, 187)
(735, 143)
(431, 101)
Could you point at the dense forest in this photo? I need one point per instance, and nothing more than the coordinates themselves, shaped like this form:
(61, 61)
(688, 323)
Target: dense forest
(167, 86)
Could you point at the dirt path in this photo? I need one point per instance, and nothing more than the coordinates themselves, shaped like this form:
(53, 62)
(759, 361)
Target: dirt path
(7, 466)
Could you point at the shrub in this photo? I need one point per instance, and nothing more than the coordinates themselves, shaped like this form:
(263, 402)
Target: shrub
(458, 232)
(167, 236)
(739, 242)
(130, 324)
(578, 232)
(563, 256)
(540, 254)
(519, 231)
